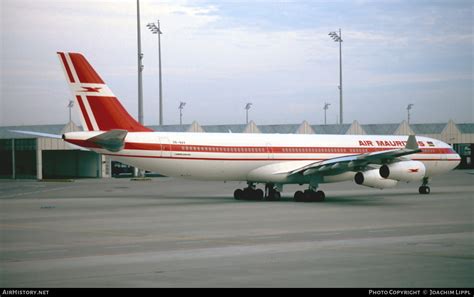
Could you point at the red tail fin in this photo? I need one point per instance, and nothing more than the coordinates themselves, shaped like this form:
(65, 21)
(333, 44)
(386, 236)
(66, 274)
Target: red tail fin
(99, 108)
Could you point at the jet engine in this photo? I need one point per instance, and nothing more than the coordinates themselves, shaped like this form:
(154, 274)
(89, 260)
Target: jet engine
(406, 171)
(371, 178)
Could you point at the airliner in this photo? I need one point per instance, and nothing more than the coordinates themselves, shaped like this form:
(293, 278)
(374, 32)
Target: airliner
(272, 160)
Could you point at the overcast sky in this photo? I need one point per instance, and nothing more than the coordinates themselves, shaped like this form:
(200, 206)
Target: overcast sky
(219, 55)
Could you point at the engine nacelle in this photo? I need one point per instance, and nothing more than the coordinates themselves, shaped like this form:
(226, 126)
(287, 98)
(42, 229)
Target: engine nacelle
(372, 178)
(406, 171)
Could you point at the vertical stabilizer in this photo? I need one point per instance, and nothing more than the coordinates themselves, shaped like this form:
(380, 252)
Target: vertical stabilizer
(100, 110)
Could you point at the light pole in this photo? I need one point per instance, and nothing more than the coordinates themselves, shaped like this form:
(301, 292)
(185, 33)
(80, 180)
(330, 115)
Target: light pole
(70, 106)
(338, 38)
(181, 106)
(140, 67)
(247, 107)
(409, 106)
(138, 172)
(155, 29)
(326, 106)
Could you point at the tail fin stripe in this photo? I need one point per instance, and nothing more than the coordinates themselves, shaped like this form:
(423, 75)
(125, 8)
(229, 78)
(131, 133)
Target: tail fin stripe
(84, 70)
(73, 69)
(87, 121)
(66, 67)
(90, 114)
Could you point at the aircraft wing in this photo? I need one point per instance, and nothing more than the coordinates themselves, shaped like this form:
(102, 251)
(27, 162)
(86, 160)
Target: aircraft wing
(339, 165)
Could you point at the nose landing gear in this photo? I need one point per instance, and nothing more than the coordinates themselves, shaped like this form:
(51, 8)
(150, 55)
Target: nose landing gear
(424, 189)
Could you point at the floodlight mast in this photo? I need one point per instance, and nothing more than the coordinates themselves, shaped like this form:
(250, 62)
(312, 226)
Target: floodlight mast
(70, 105)
(140, 67)
(155, 29)
(338, 38)
(409, 106)
(247, 107)
(326, 106)
(181, 107)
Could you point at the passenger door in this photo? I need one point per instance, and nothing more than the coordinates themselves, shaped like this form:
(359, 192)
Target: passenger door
(269, 150)
(165, 147)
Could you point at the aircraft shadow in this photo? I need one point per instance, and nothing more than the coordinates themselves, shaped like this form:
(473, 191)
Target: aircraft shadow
(352, 200)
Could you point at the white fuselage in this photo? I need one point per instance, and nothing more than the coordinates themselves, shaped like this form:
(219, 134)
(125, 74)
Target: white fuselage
(258, 157)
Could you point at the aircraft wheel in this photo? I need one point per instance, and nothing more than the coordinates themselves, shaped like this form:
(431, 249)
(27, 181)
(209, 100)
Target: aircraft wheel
(308, 196)
(274, 195)
(320, 196)
(249, 194)
(299, 196)
(258, 194)
(424, 190)
(312, 196)
(238, 194)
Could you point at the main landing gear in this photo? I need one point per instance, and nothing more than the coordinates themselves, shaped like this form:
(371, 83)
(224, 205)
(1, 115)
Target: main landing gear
(309, 195)
(254, 194)
(424, 188)
(271, 193)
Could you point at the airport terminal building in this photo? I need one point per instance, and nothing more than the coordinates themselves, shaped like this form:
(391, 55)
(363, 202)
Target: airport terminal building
(24, 157)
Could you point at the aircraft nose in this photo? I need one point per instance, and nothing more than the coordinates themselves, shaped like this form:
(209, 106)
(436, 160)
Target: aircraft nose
(458, 157)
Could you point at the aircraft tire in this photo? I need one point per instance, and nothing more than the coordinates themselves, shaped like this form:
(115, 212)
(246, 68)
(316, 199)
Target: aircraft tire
(273, 195)
(308, 196)
(249, 194)
(258, 194)
(299, 196)
(424, 190)
(276, 196)
(320, 196)
(238, 194)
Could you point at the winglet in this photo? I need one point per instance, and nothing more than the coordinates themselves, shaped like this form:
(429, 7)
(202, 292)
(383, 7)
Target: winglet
(411, 143)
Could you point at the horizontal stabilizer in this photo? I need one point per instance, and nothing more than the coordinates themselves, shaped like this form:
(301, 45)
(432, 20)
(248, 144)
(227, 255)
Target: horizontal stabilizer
(38, 134)
(113, 140)
(48, 135)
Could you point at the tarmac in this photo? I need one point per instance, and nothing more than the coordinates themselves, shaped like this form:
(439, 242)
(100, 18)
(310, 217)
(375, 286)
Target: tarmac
(169, 232)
